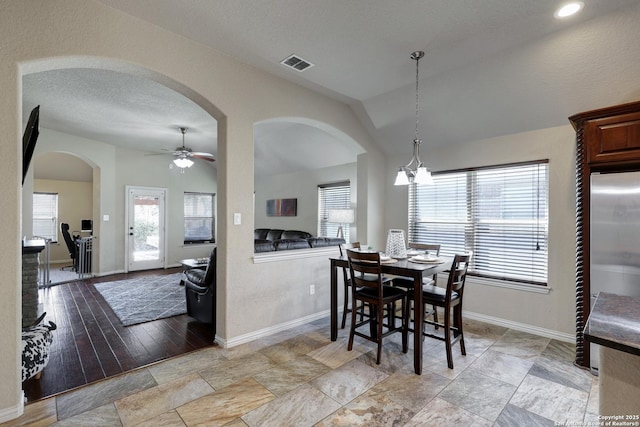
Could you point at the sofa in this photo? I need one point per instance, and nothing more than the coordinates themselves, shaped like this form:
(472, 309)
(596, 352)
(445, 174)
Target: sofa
(270, 239)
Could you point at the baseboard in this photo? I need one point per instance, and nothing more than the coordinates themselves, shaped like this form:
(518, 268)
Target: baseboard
(261, 333)
(11, 413)
(523, 327)
(535, 330)
(107, 273)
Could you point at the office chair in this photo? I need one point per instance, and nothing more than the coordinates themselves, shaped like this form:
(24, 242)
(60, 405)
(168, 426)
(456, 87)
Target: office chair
(71, 245)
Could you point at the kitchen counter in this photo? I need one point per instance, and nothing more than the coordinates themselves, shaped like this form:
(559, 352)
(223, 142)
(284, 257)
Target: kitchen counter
(614, 323)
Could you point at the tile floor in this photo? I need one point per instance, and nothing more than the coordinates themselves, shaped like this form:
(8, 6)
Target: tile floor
(301, 378)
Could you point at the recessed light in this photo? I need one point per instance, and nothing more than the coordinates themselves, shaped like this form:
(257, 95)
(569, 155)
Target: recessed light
(569, 9)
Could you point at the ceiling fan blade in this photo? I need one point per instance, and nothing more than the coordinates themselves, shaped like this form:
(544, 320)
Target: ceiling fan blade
(204, 156)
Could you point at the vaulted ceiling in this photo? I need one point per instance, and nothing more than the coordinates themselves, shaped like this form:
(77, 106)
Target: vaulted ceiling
(492, 67)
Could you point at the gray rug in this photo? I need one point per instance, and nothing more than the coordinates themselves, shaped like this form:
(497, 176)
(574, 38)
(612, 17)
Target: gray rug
(145, 298)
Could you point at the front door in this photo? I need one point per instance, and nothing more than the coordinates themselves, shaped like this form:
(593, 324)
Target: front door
(145, 228)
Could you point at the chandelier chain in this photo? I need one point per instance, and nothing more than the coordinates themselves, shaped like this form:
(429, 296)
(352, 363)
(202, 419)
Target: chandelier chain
(417, 87)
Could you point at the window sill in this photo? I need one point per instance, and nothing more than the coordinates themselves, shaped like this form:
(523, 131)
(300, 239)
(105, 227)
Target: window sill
(483, 281)
(190, 245)
(525, 287)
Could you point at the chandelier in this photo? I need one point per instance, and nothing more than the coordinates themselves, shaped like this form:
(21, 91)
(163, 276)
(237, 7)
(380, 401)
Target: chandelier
(415, 171)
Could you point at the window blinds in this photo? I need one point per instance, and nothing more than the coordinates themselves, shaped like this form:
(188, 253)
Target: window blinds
(499, 213)
(45, 215)
(199, 222)
(333, 196)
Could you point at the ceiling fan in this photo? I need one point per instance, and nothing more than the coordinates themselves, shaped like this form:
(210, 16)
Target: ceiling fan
(183, 155)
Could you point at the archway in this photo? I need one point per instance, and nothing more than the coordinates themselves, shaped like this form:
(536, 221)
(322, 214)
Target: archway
(105, 160)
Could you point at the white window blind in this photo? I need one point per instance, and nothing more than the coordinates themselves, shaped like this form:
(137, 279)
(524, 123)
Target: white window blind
(45, 215)
(499, 213)
(333, 196)
(199, 221)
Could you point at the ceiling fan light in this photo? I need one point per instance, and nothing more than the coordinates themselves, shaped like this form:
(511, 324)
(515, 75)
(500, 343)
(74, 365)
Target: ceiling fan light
(423, 176)
(183, 162)
(401, 178)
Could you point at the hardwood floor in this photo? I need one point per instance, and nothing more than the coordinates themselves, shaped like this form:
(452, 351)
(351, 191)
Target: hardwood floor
(90, 344)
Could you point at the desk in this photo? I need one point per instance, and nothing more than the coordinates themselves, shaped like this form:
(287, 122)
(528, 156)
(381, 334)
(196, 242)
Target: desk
(403, 268)
(190, 263)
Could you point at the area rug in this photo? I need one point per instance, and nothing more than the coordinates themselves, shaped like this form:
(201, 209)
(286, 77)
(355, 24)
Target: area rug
(145, 298)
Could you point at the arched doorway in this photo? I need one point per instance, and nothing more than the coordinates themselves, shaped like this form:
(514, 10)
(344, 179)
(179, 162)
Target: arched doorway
(114, 165)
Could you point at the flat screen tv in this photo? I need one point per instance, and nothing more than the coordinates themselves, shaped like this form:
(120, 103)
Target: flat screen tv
(29, 140)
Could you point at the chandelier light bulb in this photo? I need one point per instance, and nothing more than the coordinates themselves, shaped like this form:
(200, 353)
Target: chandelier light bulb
(183, 162)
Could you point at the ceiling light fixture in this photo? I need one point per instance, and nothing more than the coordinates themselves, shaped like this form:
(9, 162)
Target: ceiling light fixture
(569, 9)
(415, 171)
(182, 161)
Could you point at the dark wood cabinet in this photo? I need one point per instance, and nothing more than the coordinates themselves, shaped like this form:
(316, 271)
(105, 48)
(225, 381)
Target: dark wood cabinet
(613, 139)
(608, 140)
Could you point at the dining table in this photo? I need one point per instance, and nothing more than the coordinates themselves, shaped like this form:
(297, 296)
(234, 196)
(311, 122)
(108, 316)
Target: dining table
(394, 267)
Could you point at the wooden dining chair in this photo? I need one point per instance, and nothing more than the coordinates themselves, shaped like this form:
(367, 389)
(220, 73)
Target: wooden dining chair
(346, 276)
(347, 282)
(407, 283)
(450, 300)
(368, 288)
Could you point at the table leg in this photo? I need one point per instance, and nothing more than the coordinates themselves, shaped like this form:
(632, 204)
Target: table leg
(417, 323)
(334, 301)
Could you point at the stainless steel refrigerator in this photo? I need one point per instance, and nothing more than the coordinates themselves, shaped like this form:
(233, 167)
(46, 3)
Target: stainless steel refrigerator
(615, 238)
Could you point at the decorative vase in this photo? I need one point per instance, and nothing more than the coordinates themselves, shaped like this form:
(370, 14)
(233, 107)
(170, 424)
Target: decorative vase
(396, 247)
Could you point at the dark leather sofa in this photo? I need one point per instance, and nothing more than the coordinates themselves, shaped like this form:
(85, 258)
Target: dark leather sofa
(269, 240)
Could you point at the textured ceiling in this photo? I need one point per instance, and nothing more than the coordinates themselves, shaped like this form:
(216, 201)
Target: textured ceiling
(492, 67)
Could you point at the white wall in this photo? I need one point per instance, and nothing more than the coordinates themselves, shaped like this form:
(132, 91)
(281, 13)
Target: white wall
(45, 35)
(552, 312)
(304, 187)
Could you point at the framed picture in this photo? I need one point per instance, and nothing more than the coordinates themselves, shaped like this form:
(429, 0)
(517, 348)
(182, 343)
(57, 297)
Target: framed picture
(282, 207)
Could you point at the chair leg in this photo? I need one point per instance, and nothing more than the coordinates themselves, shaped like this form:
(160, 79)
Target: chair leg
(435, 317)
(457, 313)
(352, 329)
(346, 306)
(380, 317)
(447, 337)
(405, 324)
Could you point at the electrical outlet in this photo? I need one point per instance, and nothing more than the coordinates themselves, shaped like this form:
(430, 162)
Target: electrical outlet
(312, 289)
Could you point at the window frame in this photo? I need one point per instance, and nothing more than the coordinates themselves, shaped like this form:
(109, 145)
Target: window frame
(186, 218)
(54, 218)
(474, 226)
(340, 201)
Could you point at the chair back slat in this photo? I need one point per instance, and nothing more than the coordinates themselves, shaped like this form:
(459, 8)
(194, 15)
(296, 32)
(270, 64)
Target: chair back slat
(365, 264)
(353, 245)
(457, 275)
(425, 247)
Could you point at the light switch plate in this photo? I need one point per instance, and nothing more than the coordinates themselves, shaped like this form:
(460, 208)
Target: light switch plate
(237, 218)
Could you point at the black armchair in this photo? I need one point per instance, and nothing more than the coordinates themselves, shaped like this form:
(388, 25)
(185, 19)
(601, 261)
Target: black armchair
(200, 288)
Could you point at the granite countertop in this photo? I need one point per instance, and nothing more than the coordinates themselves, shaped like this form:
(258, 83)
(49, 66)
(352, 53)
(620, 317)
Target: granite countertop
(615, 322)
(32, 246)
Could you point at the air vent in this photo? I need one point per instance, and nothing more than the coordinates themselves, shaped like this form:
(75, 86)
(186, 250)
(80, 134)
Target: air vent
(297, 63)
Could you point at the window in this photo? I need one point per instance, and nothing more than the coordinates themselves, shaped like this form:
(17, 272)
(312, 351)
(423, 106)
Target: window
(500, 213)
(45, 215)
(333, 196)
(199, 223)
